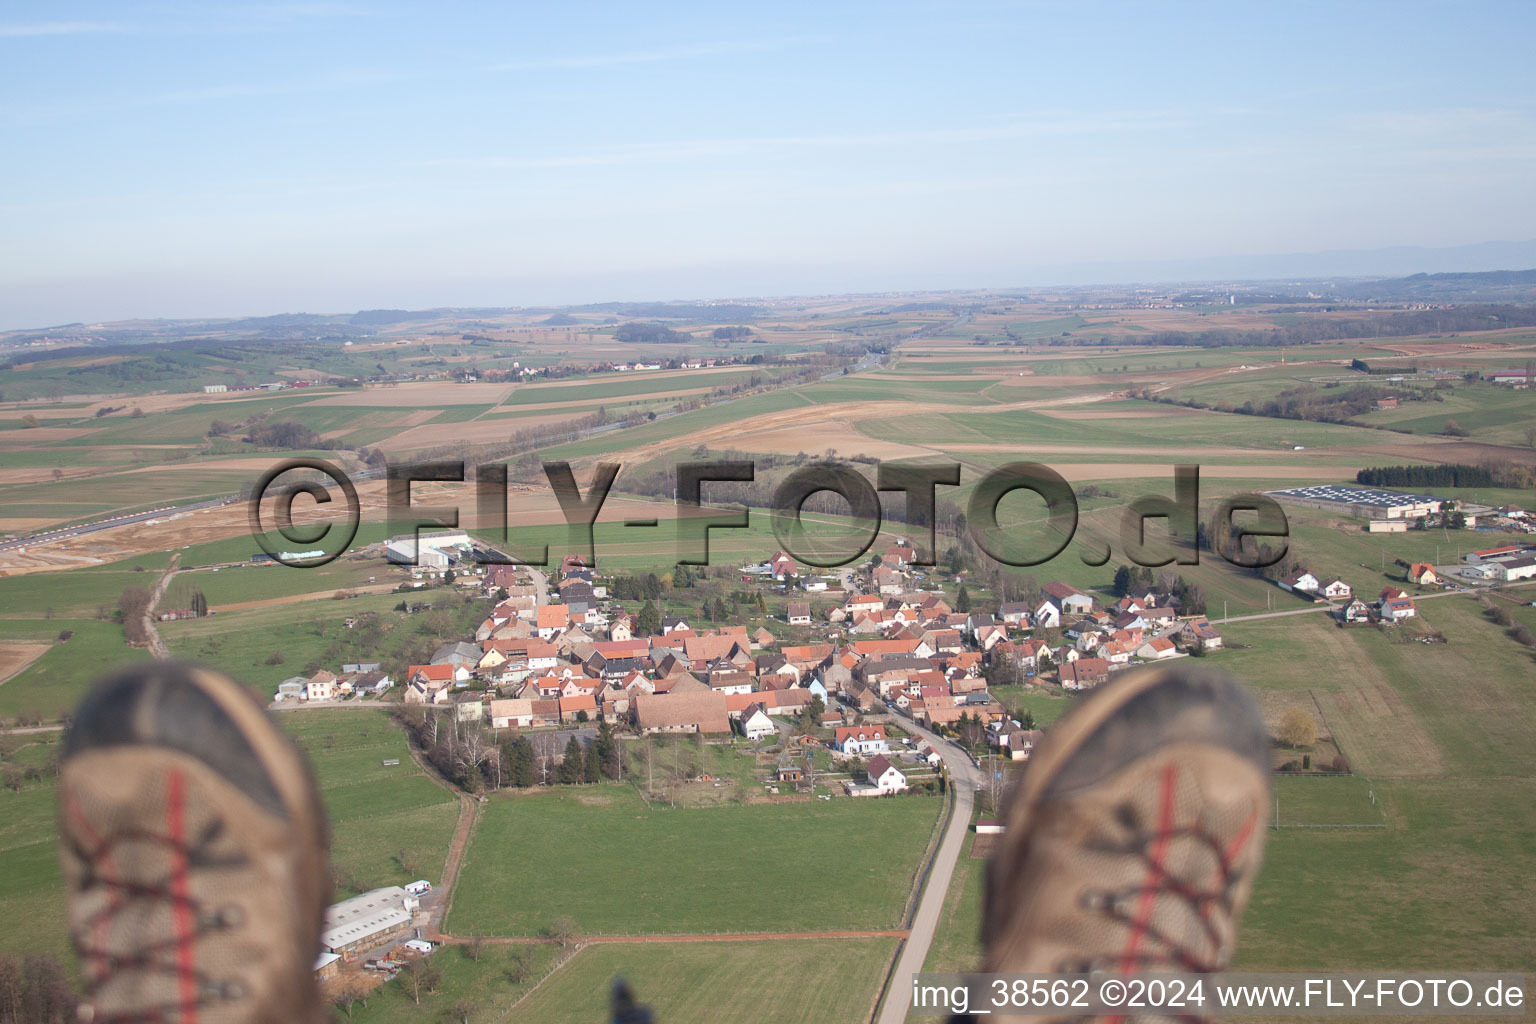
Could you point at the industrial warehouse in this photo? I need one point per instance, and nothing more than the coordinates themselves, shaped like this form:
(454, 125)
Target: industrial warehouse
(433, 552)
(368, 921)
(1366, 502)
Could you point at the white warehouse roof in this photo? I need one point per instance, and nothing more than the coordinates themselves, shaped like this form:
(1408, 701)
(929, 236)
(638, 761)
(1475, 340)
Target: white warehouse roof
(361, 916)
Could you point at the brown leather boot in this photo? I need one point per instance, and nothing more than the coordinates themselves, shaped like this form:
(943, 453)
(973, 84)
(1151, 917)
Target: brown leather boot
(193, 845)
(1135, 833)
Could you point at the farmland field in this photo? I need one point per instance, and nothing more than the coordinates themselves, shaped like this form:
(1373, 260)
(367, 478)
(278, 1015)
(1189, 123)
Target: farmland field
(866, 852)
(835, 981)
(1427, 843)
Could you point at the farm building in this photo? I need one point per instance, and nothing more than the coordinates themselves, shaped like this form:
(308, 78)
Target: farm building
(365, 922)
(1499, 554)
(1517, 569)
(1366, 502)
(433, 548)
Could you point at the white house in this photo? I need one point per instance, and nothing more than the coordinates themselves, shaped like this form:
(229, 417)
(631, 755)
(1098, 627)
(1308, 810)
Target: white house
(1300, 580)
(885, 776)
(1047, 615)
(862, 739)
(1335, 589)
(1157, 650)
(755, 723)
(322, 686)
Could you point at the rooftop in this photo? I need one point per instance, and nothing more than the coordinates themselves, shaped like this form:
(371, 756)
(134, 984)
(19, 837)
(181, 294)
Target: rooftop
(1346, 495)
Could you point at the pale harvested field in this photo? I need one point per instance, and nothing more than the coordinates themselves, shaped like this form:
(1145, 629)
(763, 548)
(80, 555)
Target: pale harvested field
(816, 437)
(424, 395)
(1368, 719)
(18, 525)
(256, 463)
(1161, 465)
(1231, 452)
(1124, 414)
(43, 474)
(32, 435)
(482, 431)
(512, 411)
(744, 434)
(15, 657)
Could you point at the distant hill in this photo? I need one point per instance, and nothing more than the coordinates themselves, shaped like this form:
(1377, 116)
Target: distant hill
(1500, 285)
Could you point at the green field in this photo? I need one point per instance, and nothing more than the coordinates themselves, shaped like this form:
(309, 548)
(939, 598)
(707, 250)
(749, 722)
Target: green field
(54, 683)
(831, 981)
(748, 857)
(486, 984)
(377, 813)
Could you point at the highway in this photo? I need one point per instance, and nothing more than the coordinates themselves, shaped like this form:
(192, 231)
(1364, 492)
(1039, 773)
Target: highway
(112, 522)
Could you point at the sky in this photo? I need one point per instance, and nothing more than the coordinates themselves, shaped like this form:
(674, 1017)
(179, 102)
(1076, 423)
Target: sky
(211, 159)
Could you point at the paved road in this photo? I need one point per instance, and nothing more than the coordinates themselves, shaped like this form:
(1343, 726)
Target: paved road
(49, 536)
(964, 779)
(1326, 607)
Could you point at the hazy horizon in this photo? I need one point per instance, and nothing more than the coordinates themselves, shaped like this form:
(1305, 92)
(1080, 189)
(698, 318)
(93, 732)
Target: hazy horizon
(191, 161)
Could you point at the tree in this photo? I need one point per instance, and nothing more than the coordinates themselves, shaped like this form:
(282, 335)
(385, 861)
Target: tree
(348, 990)
(421, 975)
(1297, 729)
(605, 751)
(461, 1011)
(564, 930)
(1123, 581)
(648, 621)
(474, 946)
(519, 965)
(815, 709)
(518, 757)
(963, 600)
(449, 576)
(592, 765)
(572, 766)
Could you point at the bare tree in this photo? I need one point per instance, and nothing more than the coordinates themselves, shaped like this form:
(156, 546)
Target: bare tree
(519, 966)
(564, 930)
(474, 946)
(421, 975)
(348, 990)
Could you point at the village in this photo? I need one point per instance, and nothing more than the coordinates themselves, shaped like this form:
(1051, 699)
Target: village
(565, 652)
(839, 699)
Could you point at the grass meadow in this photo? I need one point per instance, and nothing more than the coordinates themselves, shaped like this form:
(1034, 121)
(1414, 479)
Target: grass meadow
(835, 981)
(621, 867)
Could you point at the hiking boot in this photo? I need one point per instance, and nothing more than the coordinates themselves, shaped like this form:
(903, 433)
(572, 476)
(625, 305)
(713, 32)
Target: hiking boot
(193, 846)
(1135, 833)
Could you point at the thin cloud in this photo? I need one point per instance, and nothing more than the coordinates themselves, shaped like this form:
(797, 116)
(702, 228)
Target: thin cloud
(60, 28)
(208, 21)
(694, 149)
(576, 62)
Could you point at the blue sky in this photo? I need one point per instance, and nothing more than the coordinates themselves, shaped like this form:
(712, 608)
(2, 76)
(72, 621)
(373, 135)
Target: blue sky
(230, 159)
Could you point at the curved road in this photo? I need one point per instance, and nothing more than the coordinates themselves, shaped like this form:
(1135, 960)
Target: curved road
(964, 779)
